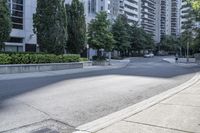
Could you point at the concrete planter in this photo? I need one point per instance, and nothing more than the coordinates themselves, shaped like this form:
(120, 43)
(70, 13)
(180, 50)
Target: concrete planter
(184, 60)
(87, 63)
(27, 68)
(100, 63)
(197, 57)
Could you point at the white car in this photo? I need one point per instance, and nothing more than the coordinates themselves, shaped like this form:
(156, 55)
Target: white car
(149, 55)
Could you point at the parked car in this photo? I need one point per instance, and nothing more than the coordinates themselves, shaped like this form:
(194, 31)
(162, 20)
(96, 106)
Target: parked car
(149, 55)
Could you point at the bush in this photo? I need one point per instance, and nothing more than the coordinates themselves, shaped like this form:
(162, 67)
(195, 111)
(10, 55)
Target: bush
(98, 58)
(71, 58)
(33, 58)
(83, 59)
(5, 59)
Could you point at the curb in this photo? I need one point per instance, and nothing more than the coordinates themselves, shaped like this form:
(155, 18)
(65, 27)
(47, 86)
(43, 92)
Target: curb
(169, 61)
(106, 121)
(57, 73)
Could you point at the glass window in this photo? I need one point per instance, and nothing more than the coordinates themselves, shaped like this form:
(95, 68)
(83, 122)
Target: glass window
(16, 7)
(16, 40)
(11, 48)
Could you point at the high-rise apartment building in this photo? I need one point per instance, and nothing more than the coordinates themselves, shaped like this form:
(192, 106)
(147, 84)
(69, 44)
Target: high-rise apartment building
(170, 17)
(150, 17)
(165, 24)
(131, 8)
(175, 17)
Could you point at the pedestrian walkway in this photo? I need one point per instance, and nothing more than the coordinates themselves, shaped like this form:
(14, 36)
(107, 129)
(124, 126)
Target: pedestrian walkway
(114, 65)
(175, 111)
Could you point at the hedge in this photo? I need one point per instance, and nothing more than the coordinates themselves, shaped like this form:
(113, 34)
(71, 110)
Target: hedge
(30, 58)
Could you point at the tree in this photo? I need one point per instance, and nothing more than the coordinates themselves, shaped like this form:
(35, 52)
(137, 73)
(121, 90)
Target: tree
(140, 39)
(50, 25)
(196, 7)
(188, 28)
(169, 43)
(76, 27)
(5, 22)
(99, 34)
(120, 31)
(195, 4)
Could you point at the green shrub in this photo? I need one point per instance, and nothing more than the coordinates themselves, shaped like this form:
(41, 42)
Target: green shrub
(71, 58)
(32, 58)
(83, 59)
(5, 59)
(98, 58)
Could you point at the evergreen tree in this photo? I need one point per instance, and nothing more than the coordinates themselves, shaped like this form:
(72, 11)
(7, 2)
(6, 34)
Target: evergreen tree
(76, 27)
(50, 25)
(99, 34)
(5, 23)
(120, 31)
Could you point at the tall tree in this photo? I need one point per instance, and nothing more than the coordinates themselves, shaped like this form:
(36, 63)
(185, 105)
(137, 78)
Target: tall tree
(188, 28)
(140, 39)
(196, 7)
(120, 31)
(76, 27)
(99, 34)
(50, 25)
(5, 22)
(169, 43)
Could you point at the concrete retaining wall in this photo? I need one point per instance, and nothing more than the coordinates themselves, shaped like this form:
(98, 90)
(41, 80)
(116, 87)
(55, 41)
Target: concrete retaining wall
(26, 68)
(184, 60)
(87, 63)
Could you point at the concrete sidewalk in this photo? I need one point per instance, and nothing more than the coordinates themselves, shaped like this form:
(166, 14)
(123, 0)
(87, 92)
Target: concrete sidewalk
(174, 111)
(114, 65)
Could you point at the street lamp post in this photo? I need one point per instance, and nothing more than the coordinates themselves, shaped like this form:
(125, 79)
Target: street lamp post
(88, 50)
(187, 52)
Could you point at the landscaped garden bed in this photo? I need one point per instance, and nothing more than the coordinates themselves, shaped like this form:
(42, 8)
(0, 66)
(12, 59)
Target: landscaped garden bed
(36, 58)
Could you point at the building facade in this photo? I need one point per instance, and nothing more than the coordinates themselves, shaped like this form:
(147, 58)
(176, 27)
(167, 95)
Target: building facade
(170, 17)
(22, 36)
(131, 8)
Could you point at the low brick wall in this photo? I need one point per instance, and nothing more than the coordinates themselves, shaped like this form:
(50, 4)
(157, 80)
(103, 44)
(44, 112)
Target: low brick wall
(27, 68)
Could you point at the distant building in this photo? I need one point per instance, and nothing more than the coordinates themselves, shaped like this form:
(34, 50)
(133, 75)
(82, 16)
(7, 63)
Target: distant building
(131, 8)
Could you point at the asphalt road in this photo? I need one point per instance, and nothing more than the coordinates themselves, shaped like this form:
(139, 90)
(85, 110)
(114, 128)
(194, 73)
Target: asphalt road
(76, 99)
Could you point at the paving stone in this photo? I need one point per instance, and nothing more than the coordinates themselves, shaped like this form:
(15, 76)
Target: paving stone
(127, 127)
(184, 99)
(184, 118)
(194, 90)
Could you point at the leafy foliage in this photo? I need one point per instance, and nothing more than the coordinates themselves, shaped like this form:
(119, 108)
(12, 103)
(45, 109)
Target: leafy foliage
(5, 23)
(25, 58)
(99, 34)
(141, 40)
(50, 25)
(196, 7)
(76, 27)
(169, 43)
(120, 31)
